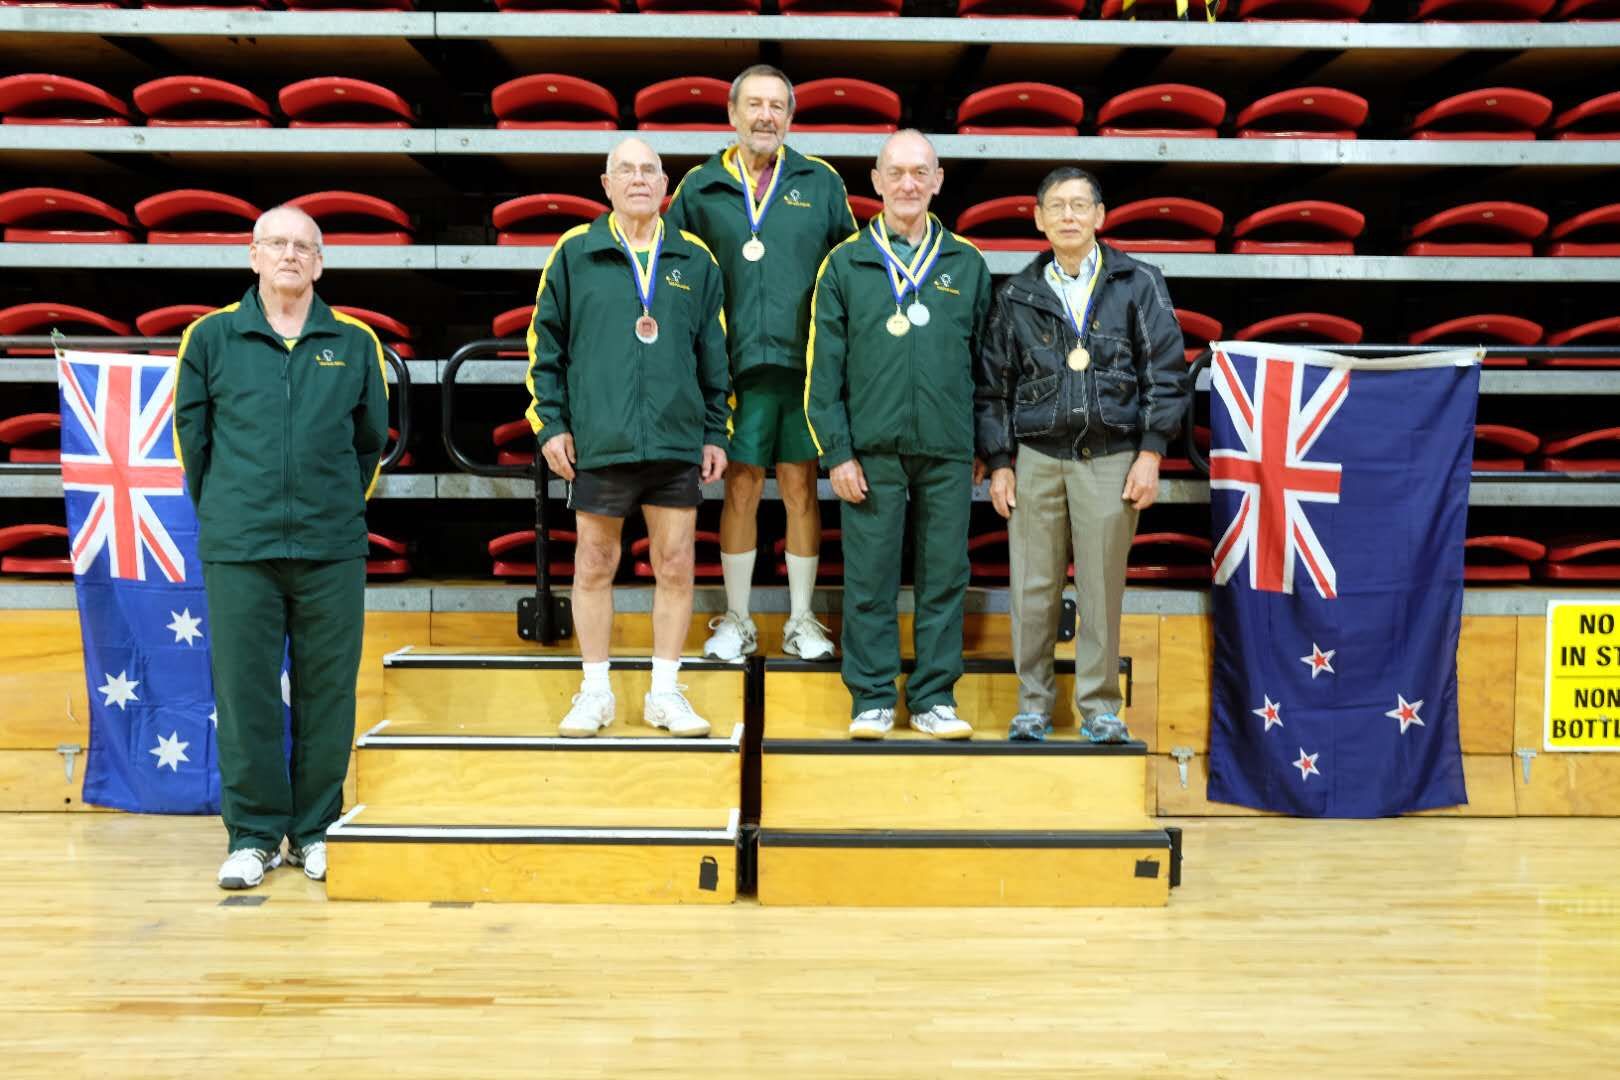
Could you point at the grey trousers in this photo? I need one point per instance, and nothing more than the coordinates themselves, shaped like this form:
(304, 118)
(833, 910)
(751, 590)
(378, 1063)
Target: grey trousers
(1059, 500)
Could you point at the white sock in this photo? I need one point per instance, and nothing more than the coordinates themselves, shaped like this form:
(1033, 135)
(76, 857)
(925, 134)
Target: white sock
(596, 678)
(801, 582)
(664, 672)
(738, 571)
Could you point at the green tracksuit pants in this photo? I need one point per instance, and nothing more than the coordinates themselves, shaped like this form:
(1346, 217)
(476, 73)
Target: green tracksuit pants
(941, 495)
(317, 609)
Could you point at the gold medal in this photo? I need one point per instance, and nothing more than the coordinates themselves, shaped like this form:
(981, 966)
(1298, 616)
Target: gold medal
(647, 330)
(1079, 358)
(898, 324)
(754, 250)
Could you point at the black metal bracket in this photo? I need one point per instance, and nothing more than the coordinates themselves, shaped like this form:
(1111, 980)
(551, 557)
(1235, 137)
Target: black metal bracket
(545, 619)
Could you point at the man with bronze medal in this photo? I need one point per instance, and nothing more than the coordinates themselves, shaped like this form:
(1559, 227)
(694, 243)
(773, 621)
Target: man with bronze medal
(629, 388)
(1082, 384)
(769, 214)
(896, 323)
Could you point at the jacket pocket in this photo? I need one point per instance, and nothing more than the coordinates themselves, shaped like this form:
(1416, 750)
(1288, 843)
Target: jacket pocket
(1035, 406)
(1116, 398)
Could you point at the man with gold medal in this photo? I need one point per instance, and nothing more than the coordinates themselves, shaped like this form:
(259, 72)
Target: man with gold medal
(769, 214)
(1082, 384)
(896, 323)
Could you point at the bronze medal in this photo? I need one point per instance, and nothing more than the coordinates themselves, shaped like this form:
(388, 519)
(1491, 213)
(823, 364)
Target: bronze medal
(898, 324)
(647, 330)
(1079, 358)
(754, 250)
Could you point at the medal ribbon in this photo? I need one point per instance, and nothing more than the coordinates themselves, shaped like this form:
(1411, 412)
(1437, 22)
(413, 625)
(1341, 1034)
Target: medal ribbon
(900, 274)
(646, 281)
(1079, 323)
(757, 208)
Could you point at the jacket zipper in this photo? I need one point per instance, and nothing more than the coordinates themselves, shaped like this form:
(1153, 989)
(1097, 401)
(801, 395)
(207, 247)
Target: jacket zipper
(286, 450)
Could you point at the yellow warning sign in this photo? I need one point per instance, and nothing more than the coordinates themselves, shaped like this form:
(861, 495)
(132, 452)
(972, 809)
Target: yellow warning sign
(1583, 675)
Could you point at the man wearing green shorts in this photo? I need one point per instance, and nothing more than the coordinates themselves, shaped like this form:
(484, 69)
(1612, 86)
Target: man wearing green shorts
(769, 214)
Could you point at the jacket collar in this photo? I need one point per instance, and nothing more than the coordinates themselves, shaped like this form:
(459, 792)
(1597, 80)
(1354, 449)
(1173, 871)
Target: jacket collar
(249, 317)
(599, 239)
(864, 251)
(721, 169)
(1028, 286)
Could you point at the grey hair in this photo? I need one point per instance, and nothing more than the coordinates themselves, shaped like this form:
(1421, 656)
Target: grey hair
(258, 226)
(613, 153)
(906, 131)
(762, 69)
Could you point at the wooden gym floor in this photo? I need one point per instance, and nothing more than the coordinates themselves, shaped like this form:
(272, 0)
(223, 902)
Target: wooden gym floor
(1418, 947)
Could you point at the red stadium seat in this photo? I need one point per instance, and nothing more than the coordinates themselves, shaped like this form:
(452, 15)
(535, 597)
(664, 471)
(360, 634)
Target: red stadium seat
(336, 102)
(555, 103)
(37, 537)
(988, 557)
(1165, 110)
(1482, 330)
(852, 105)
(1163, 224)
(1021, 108)
(1497, 113)
(870, 9)
(1004, 224)
(865, 208)
(350, 5)
(575, 7)
(514, 440)
(1308, 327)
(1309, 112)
(1175, 465)
(195, 101)
(22, 438)
(1197, 331)
(1168, 556)
(1588, 11)
(349, 217)
(1597, 332)
(197, 217)
(30, 319)
(1155, 9)
(699, 7)
(690, 103)
(1500, 558)
(1020, 9)
(395, 334)
(538, 220)
(52, 99)
(1480, 229)
(1303, 10)
(1590, 451)
(387, 557)
(171, 320)
(203, 5)
(1594, 120)
(1582, 559)
(640, 551)
(1503, 11)
(1596, 234)
(831, 566)
(1308, 227)
(1499, 448)
(45, 215)
(59, 3)
(513, 323)
(521, 544)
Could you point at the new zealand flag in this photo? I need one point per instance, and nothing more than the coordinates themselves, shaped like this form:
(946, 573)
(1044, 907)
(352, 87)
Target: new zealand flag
(1339, 496)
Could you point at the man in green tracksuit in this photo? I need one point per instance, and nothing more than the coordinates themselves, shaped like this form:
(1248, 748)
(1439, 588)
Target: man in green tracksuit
(896, 323)
(769, 214)
(280, 417)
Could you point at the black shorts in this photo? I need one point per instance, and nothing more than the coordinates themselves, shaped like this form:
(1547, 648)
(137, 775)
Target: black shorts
(614, 490)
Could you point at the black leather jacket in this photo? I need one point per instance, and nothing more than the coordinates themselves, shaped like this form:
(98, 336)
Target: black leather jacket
(1131, 397)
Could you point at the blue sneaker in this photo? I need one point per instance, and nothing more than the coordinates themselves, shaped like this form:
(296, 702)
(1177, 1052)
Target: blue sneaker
(1030, 727)
(1105, 728)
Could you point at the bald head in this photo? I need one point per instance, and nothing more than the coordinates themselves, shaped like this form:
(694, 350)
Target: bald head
(907, 177)
(286, 253)
(286, 220)
(636, 149)
(908, 144)
(634, 182)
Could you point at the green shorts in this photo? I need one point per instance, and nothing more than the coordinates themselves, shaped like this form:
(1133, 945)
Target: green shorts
(767, 418)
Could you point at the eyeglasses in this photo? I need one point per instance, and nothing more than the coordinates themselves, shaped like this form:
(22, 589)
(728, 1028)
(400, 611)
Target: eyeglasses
(275, 245)
(1076, 206)
(625, 171)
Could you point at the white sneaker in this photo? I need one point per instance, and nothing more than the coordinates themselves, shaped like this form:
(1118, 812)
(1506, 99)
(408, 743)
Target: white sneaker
(942, 723)
(806, 638)
(672, 712)
(872, 724)
(734, 637)
(592, 712)
(312, 858)
(245, 867)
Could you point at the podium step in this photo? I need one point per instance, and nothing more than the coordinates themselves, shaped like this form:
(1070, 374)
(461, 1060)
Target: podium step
(961, 868)
(589, 857)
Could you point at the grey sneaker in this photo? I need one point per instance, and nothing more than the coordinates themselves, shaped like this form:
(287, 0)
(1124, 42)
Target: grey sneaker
(871, 724)
(244, 868)
(942, 722)
(1105, 728)
(807, 639)
(1030, 727)
(734, 637)
(312, 857)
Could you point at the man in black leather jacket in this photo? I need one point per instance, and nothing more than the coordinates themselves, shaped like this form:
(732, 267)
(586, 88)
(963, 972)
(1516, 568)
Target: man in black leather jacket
(1081, 385)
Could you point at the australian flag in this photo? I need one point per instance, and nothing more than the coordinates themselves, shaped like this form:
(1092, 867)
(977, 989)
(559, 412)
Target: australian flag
(132, 534)
(1338, 497)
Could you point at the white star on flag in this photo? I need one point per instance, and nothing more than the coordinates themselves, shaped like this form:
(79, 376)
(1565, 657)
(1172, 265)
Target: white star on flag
(185, 626)
(170, 751)
(1406, 712)
(1320, 661)
(120, 690)
(1307, 764)
(1270, 712)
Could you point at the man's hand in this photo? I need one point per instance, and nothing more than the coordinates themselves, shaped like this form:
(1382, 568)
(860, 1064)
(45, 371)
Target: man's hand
(979, 471)
(1004, 491)
(849, 481)
(559, 454)
(1142, 482)
(714, 464)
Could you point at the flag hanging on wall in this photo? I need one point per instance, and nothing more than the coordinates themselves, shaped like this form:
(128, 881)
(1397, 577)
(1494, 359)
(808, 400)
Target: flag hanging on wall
(1338, 500)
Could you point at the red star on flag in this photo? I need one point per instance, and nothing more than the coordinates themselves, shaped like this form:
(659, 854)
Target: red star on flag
(1320, 661)
(1406, 712)
(1270, 712)
(1307, 764)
